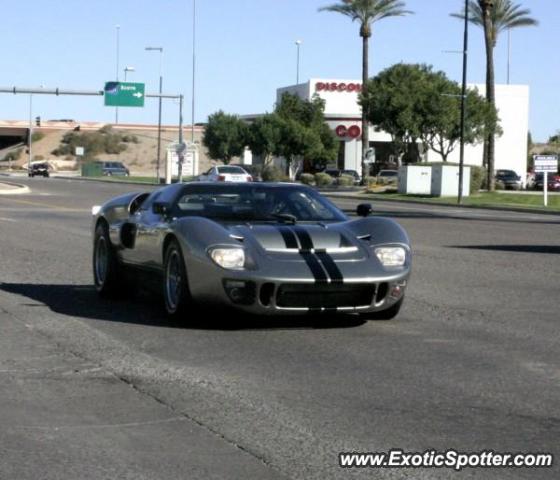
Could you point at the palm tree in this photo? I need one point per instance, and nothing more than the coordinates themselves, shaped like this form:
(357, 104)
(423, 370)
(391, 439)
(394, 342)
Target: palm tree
(494, 16)
(367, 12)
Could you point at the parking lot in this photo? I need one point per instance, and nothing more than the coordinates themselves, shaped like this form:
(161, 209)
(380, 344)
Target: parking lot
(471, 363)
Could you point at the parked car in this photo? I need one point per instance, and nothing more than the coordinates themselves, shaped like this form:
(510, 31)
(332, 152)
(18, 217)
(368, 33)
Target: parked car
(254, 170)
(226, 173)
(510, 179)
(39, 169)
(114, 168)
(354, 174)
(333, 172)
(553, 181)
(336, 173)
(264, 248)
(388, 177)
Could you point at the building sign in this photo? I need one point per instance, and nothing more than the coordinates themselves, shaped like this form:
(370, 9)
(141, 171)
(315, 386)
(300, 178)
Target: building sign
(353, 132)
(338, 87)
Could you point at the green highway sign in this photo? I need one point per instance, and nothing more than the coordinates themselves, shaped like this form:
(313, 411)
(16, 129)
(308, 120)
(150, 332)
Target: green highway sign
(123, 94)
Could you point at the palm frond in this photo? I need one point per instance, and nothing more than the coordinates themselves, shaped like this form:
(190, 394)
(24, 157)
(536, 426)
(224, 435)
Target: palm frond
(505, 15)
(368, 11)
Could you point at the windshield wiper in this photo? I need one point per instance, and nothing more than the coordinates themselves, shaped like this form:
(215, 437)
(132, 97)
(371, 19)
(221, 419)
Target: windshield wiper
(287, 217)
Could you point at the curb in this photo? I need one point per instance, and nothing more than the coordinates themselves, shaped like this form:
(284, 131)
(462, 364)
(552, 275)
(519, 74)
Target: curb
(13, 188)
(101, 180)
(433, 204)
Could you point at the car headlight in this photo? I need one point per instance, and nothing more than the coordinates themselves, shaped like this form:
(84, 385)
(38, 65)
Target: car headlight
(228, 257)
(391, 256)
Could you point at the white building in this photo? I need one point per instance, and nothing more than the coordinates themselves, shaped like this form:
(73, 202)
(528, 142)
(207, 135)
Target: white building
(343, 115)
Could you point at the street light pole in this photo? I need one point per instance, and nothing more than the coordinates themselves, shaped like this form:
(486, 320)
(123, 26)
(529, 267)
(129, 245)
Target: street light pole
(29, 140)
(118, 28)
(158, 161)
(193, 69)
(508, 55)
(463, 102)
(298, 44)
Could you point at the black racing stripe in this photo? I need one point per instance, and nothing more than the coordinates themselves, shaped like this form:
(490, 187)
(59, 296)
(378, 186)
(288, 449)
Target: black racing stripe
(315, 267)
(289, 237)
(331, 267)
(304, 238)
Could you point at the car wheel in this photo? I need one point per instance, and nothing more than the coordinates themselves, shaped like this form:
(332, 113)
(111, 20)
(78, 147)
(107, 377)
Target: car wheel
(175, 283)
(105, 264)
(387, 314)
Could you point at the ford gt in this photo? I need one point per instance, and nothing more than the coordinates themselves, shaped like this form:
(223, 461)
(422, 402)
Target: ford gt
(264, 248)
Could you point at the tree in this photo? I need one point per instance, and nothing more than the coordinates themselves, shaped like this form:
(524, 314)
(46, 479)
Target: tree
(494, 16)
(304, 133)
(265, 136)
(442, 127)
(367, 12)
(554, 139)
(413, 103)
(225, 136)
(393, 103)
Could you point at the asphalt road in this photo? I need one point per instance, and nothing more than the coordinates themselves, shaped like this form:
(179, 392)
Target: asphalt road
(98, 389)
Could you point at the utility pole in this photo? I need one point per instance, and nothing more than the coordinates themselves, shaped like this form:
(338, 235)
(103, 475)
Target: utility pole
(181, 154)
(463, 103)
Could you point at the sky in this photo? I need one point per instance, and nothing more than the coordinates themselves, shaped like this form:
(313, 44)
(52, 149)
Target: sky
(245, 50)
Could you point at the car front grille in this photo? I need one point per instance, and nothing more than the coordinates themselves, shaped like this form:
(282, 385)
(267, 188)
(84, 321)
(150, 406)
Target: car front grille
(293, 295)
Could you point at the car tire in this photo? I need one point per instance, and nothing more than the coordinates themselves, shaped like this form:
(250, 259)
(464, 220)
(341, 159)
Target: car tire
(387, 314)
(176, 293)
(105, 264)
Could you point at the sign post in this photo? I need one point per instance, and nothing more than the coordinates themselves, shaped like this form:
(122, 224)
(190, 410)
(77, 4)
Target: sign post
(545, 164)
(124, 94)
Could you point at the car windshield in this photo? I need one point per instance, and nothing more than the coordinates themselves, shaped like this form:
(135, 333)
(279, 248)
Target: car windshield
(256, 203)
(388, 173)
(232, 170)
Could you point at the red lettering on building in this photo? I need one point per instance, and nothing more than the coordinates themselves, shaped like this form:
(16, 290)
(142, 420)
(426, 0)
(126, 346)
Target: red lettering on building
(353, 132)
(338, 87)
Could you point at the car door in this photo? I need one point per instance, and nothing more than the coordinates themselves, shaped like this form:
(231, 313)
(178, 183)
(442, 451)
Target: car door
(147, 230)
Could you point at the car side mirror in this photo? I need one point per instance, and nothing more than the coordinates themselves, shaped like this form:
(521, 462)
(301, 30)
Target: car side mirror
(161, 208)
(364, 210)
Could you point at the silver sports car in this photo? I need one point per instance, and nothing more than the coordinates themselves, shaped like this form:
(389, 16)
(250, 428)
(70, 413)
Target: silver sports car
(266, 248)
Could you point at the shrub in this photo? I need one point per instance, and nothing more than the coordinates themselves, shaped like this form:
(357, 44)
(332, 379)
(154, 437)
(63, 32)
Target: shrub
(500, 185)
(13, 155)
(371, 182)
(272, 174)
(323, 179)
(106, 129)
(307, 178)
(36, 136)
(346, 180)
(478, 177)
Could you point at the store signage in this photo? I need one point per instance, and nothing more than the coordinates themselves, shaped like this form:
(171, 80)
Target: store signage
(546, 163)
(338, 87)
(353, 132)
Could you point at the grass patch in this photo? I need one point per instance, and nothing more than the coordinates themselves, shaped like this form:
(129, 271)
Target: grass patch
(487, 199)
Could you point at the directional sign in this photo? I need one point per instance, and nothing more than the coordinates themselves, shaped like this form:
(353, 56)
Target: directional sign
(124, 94)
(546, 163)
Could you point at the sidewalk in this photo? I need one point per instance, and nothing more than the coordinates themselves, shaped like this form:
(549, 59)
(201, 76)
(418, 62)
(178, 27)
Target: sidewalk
(11, 188)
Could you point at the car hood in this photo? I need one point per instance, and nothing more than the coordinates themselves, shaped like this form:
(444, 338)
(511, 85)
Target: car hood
(284, 239)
